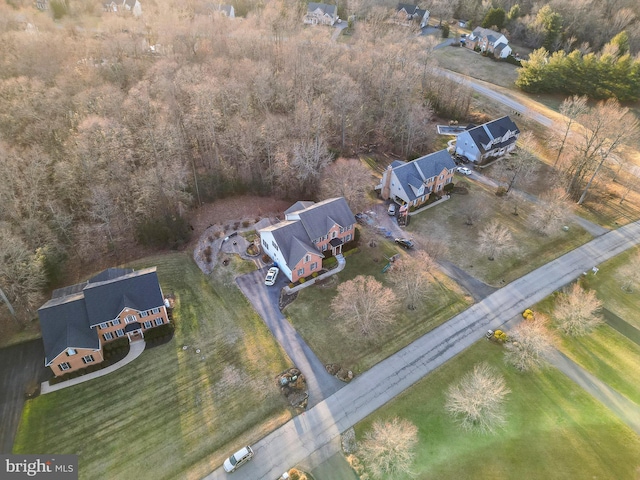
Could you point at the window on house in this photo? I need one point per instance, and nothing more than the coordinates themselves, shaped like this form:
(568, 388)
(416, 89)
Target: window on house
(155, 310)
(301, 272)
(107, 336)
(324, 247)
(347, 238)
(129, 319)
(64, 366)
(314, 265)
(441, 177)
(264, 244)
(70, 352)
(144, 314)
(273, 243)
(87, 359)
(148, 324)
(341, 229)
(307, 258)
(104, 325)
(439, 187)
(159, 321)
(333, 234)
(120, 332)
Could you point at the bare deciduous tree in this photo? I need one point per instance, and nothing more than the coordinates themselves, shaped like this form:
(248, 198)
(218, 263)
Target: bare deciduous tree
(348, 178)
(629, 274)
(528, 344)
(551, 212)
(472, 213)
(411, 277)
(477, 401)
(571, 108)
(576, 311)
(495, 239)
(388, 448)
(364, 303)
(520, 166)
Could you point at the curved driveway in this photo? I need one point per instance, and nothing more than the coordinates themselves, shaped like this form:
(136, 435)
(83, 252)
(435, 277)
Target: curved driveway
(315, 428)
(265, 299)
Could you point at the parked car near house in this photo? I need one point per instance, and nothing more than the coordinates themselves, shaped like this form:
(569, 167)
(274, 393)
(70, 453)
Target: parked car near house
(404, 242)
(464, 171)
(271, 277)
(392, 209)
(238, 459)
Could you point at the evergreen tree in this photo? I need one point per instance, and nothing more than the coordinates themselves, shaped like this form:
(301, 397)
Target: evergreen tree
(495, 17)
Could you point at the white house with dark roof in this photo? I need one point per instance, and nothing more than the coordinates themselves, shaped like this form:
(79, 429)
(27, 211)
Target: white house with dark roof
(490, 41)
(411, 183)
(321, 14)
(309, 231)
(80, 319)
(490, 140)
(407, 14)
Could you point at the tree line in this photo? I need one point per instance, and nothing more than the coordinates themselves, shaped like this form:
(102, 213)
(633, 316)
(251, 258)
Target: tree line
(112, 128)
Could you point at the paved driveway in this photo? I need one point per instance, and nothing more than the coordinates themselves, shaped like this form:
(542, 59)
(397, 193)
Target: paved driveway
(20, 366)
(265, 300)
(318, 426)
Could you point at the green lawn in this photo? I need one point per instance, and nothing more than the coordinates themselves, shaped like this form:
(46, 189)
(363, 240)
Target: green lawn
(311, 315)
(608, 285)
(608, 355)
(446, 223)
(555, 430)
(173, 413)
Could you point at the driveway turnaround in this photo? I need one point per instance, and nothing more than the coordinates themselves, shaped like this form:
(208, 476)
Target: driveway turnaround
(315, 428)
(265, 299)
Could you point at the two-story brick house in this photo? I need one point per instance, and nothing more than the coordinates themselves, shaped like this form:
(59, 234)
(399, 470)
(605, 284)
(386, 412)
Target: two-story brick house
(310, 230)
(411, 183)
(79, 320)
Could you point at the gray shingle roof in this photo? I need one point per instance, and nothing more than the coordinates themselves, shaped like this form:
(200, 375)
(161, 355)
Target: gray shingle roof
(491, 35)
(319, 217)
(139, 290)
(293, 241)
(66, 320)
(296, 207)
(417, 171)
(327, 9)
(484, 134)
(64, 323)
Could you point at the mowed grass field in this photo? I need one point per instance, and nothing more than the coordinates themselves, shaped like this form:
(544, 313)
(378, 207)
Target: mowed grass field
(554, 429)
(172, 413)
(446, 223)
(332, 342)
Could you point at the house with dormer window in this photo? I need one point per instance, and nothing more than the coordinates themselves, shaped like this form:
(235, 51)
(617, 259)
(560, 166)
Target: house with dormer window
(411, 183)
(320, 14)
(490, 140)
(80, 319)
(488, 41)
(309, 233)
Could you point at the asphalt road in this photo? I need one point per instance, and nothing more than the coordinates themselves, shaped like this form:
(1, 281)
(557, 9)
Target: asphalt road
(315, 428)
(264, 299)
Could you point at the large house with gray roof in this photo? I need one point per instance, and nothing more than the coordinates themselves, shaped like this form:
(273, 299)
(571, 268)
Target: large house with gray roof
(307, 234)
(490, 140)
(80, 319)
(320, 14)
(411, 183)
(407, 15)
(489, 41)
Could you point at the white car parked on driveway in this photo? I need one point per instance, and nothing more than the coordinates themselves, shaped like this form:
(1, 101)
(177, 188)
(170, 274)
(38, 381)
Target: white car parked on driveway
(464, 171)
(272, 274)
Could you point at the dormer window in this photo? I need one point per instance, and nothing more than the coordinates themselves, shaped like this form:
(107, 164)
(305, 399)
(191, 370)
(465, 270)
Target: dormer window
(71, 352)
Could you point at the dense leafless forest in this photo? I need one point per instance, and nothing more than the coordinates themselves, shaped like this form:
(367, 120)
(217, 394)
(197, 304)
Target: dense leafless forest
(113, 127)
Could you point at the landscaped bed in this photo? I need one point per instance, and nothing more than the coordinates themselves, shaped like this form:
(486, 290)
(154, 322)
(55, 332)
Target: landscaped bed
(180, 408)
(554, 429)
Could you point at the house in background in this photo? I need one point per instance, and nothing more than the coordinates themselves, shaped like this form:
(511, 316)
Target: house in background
(411, 183)
(299, 243)
(493, 139)
(218, 8)
(321, 14)
(80, 319)
(407, 15)
(489, 41)
(132, 6)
